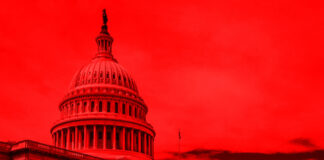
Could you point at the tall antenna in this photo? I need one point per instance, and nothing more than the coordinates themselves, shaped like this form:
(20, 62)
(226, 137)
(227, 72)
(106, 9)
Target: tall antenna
(179, 145)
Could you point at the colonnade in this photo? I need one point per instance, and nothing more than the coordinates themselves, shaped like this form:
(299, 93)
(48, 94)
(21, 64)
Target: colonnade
(88, 105)
(104, 137)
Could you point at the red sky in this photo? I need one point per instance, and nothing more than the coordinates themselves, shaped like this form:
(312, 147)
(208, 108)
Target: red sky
(233, 75)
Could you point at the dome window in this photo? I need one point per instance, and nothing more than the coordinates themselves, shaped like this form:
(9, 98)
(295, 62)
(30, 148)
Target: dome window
(116, 107)
(77, 107)
(108, 106)
(130, 110)
(124, 109)
(92, 106)
(100, 106)
(71, 108)
(84, 106)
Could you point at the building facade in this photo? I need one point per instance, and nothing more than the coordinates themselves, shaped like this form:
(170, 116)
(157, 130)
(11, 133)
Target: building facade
(103, 114)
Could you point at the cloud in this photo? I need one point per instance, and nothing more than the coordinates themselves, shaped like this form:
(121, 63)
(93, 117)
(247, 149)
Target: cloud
(303, 142)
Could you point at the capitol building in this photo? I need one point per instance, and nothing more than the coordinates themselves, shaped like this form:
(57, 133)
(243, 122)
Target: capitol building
(102, 116)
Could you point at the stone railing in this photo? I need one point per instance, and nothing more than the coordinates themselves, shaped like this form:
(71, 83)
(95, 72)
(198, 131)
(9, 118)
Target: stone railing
(52, 150)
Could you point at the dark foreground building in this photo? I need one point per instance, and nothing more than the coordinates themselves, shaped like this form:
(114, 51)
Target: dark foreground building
(102, 115)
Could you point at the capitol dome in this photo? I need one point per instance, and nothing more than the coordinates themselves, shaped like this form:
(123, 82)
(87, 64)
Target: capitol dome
(102, 113)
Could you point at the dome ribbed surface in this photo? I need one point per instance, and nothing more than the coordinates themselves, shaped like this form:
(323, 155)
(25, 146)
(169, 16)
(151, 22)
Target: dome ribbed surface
(102, 71)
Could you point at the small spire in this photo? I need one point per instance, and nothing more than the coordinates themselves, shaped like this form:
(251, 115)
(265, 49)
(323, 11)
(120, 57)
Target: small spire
(105, 20)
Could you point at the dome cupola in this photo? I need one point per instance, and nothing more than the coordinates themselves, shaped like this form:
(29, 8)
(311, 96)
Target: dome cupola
(104, 40)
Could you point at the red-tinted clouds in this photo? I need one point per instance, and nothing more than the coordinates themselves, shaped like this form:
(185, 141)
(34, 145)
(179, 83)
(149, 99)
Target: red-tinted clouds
(233, 75)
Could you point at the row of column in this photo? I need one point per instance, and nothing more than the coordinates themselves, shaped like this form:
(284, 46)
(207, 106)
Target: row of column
(86, 106)
(104, 137)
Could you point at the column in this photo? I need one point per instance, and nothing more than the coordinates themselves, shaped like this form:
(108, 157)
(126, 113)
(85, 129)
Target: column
(112, 106)
(85, 140)
(127, 109)
(72, 138)
(153, 147)
(62, 139)
(132, 139)
(96, 105)
(95, 137)
(80, 139)
(104, 105)
(69, 109)
(123, 138)
(85, 107)
(149, 145)
(76, 108)
(139, 142)
(145, 144)
(68, 139)
(104, 137)
(114, 137)
(56, 139)
(76, 131)
(66, 111)
(53, 139)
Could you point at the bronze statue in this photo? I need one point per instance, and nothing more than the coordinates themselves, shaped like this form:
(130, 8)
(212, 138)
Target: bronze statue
(104, 16)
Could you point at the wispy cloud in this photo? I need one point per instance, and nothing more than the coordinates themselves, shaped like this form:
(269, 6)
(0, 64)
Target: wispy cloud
(303, 142)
